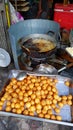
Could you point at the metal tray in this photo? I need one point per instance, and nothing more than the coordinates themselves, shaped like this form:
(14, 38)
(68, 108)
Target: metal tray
(66, 111)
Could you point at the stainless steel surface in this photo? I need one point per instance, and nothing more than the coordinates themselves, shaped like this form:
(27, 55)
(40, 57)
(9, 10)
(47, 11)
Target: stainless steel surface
(35, 118)
(21, 76)
(15, 73)
(14, 123)
(62, 62)
(65, 67)
(46, 69)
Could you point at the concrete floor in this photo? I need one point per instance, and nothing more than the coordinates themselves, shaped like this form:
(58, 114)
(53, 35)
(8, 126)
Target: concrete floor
(11, 123)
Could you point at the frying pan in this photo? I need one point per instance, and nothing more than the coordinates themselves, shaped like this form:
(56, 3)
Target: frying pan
(30, 49)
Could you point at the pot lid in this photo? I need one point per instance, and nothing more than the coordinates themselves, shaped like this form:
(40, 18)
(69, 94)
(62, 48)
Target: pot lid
(4, 58)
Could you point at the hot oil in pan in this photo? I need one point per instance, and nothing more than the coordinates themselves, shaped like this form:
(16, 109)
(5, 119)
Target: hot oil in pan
(40, 45)
(44, 45)
(29, 44)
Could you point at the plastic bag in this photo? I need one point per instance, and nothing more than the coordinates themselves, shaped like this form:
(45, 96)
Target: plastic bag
(15, 16)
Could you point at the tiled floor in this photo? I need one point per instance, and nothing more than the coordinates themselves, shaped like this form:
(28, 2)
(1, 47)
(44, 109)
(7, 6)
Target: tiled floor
(11, 123)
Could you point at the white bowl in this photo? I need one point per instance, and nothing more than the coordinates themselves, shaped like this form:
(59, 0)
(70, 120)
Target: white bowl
(4, 58)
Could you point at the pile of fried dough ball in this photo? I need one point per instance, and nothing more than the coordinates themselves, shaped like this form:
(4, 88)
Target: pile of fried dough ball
(34, 96)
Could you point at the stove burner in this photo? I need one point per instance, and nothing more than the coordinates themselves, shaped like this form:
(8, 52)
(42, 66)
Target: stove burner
(30, 64)
(25, 60)
(38, 59)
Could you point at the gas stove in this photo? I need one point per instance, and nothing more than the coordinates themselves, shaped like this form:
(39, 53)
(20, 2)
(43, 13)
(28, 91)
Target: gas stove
(27, 63)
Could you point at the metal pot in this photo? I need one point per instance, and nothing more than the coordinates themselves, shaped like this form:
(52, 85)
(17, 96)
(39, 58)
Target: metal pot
(30, 49)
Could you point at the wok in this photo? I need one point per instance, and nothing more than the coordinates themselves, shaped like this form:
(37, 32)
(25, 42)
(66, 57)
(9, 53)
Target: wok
(33, 50)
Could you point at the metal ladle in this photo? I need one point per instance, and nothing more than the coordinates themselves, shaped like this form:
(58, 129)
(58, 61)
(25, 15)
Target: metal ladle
(21, 75)
(46, 69)
(43, 69)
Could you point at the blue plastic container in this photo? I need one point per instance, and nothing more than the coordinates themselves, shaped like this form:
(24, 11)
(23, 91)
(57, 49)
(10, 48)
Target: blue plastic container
(27, 27)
